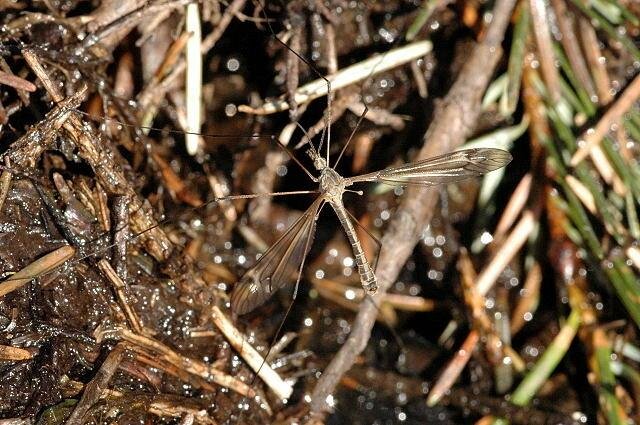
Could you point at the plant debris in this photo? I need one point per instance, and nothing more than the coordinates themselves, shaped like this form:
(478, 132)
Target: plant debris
(129, 129)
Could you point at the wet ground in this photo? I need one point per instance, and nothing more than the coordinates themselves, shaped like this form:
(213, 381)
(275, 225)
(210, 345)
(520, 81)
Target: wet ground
(59, 331)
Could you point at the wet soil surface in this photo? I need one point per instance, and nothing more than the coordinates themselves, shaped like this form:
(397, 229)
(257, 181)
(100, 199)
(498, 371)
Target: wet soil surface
(59, 330)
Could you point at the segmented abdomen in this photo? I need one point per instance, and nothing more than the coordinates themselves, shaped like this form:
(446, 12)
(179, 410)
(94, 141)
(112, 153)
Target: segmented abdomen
(367, 277)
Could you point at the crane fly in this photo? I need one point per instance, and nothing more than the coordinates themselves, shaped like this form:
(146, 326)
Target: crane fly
(286, 256)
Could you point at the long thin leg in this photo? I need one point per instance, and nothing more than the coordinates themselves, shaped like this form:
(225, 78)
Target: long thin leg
(329, 98)
(324, 132)
(293, 298)
(306, 134)
(306, 249)
(313, 69)
(165, 221)
(168, 131)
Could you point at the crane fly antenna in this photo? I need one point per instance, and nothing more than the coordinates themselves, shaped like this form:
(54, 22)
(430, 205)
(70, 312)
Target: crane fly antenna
(306, 135)
(314, 70)
(296, 160)
(353, 133)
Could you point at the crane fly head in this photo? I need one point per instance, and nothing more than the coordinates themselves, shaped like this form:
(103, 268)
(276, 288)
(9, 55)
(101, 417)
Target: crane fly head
(318, 162)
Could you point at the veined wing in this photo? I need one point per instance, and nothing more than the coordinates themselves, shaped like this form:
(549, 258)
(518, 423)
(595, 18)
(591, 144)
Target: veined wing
(447, 168)
(276, 267)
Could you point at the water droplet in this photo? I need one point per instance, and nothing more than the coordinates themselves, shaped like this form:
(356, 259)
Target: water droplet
(350, 294)
(233, 64)
(230, 110)
(486, 238)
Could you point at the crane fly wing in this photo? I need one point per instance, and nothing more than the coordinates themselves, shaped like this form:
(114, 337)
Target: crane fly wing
(275, 268)
(447, 168)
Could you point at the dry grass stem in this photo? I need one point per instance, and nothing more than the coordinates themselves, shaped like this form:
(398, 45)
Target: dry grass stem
(121, 291)
(594, 136)
(453, 368)
(41, 266)
(514, 207)
(192, 366)
(506, 252)
(280, 387)
(193, 85)
(345, 77)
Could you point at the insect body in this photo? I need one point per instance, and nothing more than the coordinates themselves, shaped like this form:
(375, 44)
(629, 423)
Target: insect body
(332, 186)
(276, 267)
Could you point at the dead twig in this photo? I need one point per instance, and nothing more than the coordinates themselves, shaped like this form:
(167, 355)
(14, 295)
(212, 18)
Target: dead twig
(566, 22)
(120, 212)
(121, 291)
(94, 389)
(16, 82)
(453, 368)
(108, 173)
(592, 52)
(39, 267)
(163, 353)
(280, 387)
(593, 137)
(26, 151)
(506, 252)
(514, 207)
(545, 48)
(345, 77)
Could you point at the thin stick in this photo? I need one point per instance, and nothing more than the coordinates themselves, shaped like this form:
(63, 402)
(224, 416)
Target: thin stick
(193, 82)
(454, 367)
(593, 137)
(165, 353)
(120, 290)
(120, 236)
(16, 82)
(397, 301)
(347, 76)
(94, 389)
(569, 41)
(545, 48)
(39, 267)
(592, 52)
(281, 388)
(514, 207)
(507, 251)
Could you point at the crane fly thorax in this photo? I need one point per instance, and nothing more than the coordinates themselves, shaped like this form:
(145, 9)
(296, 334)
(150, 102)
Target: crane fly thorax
(332, 184)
